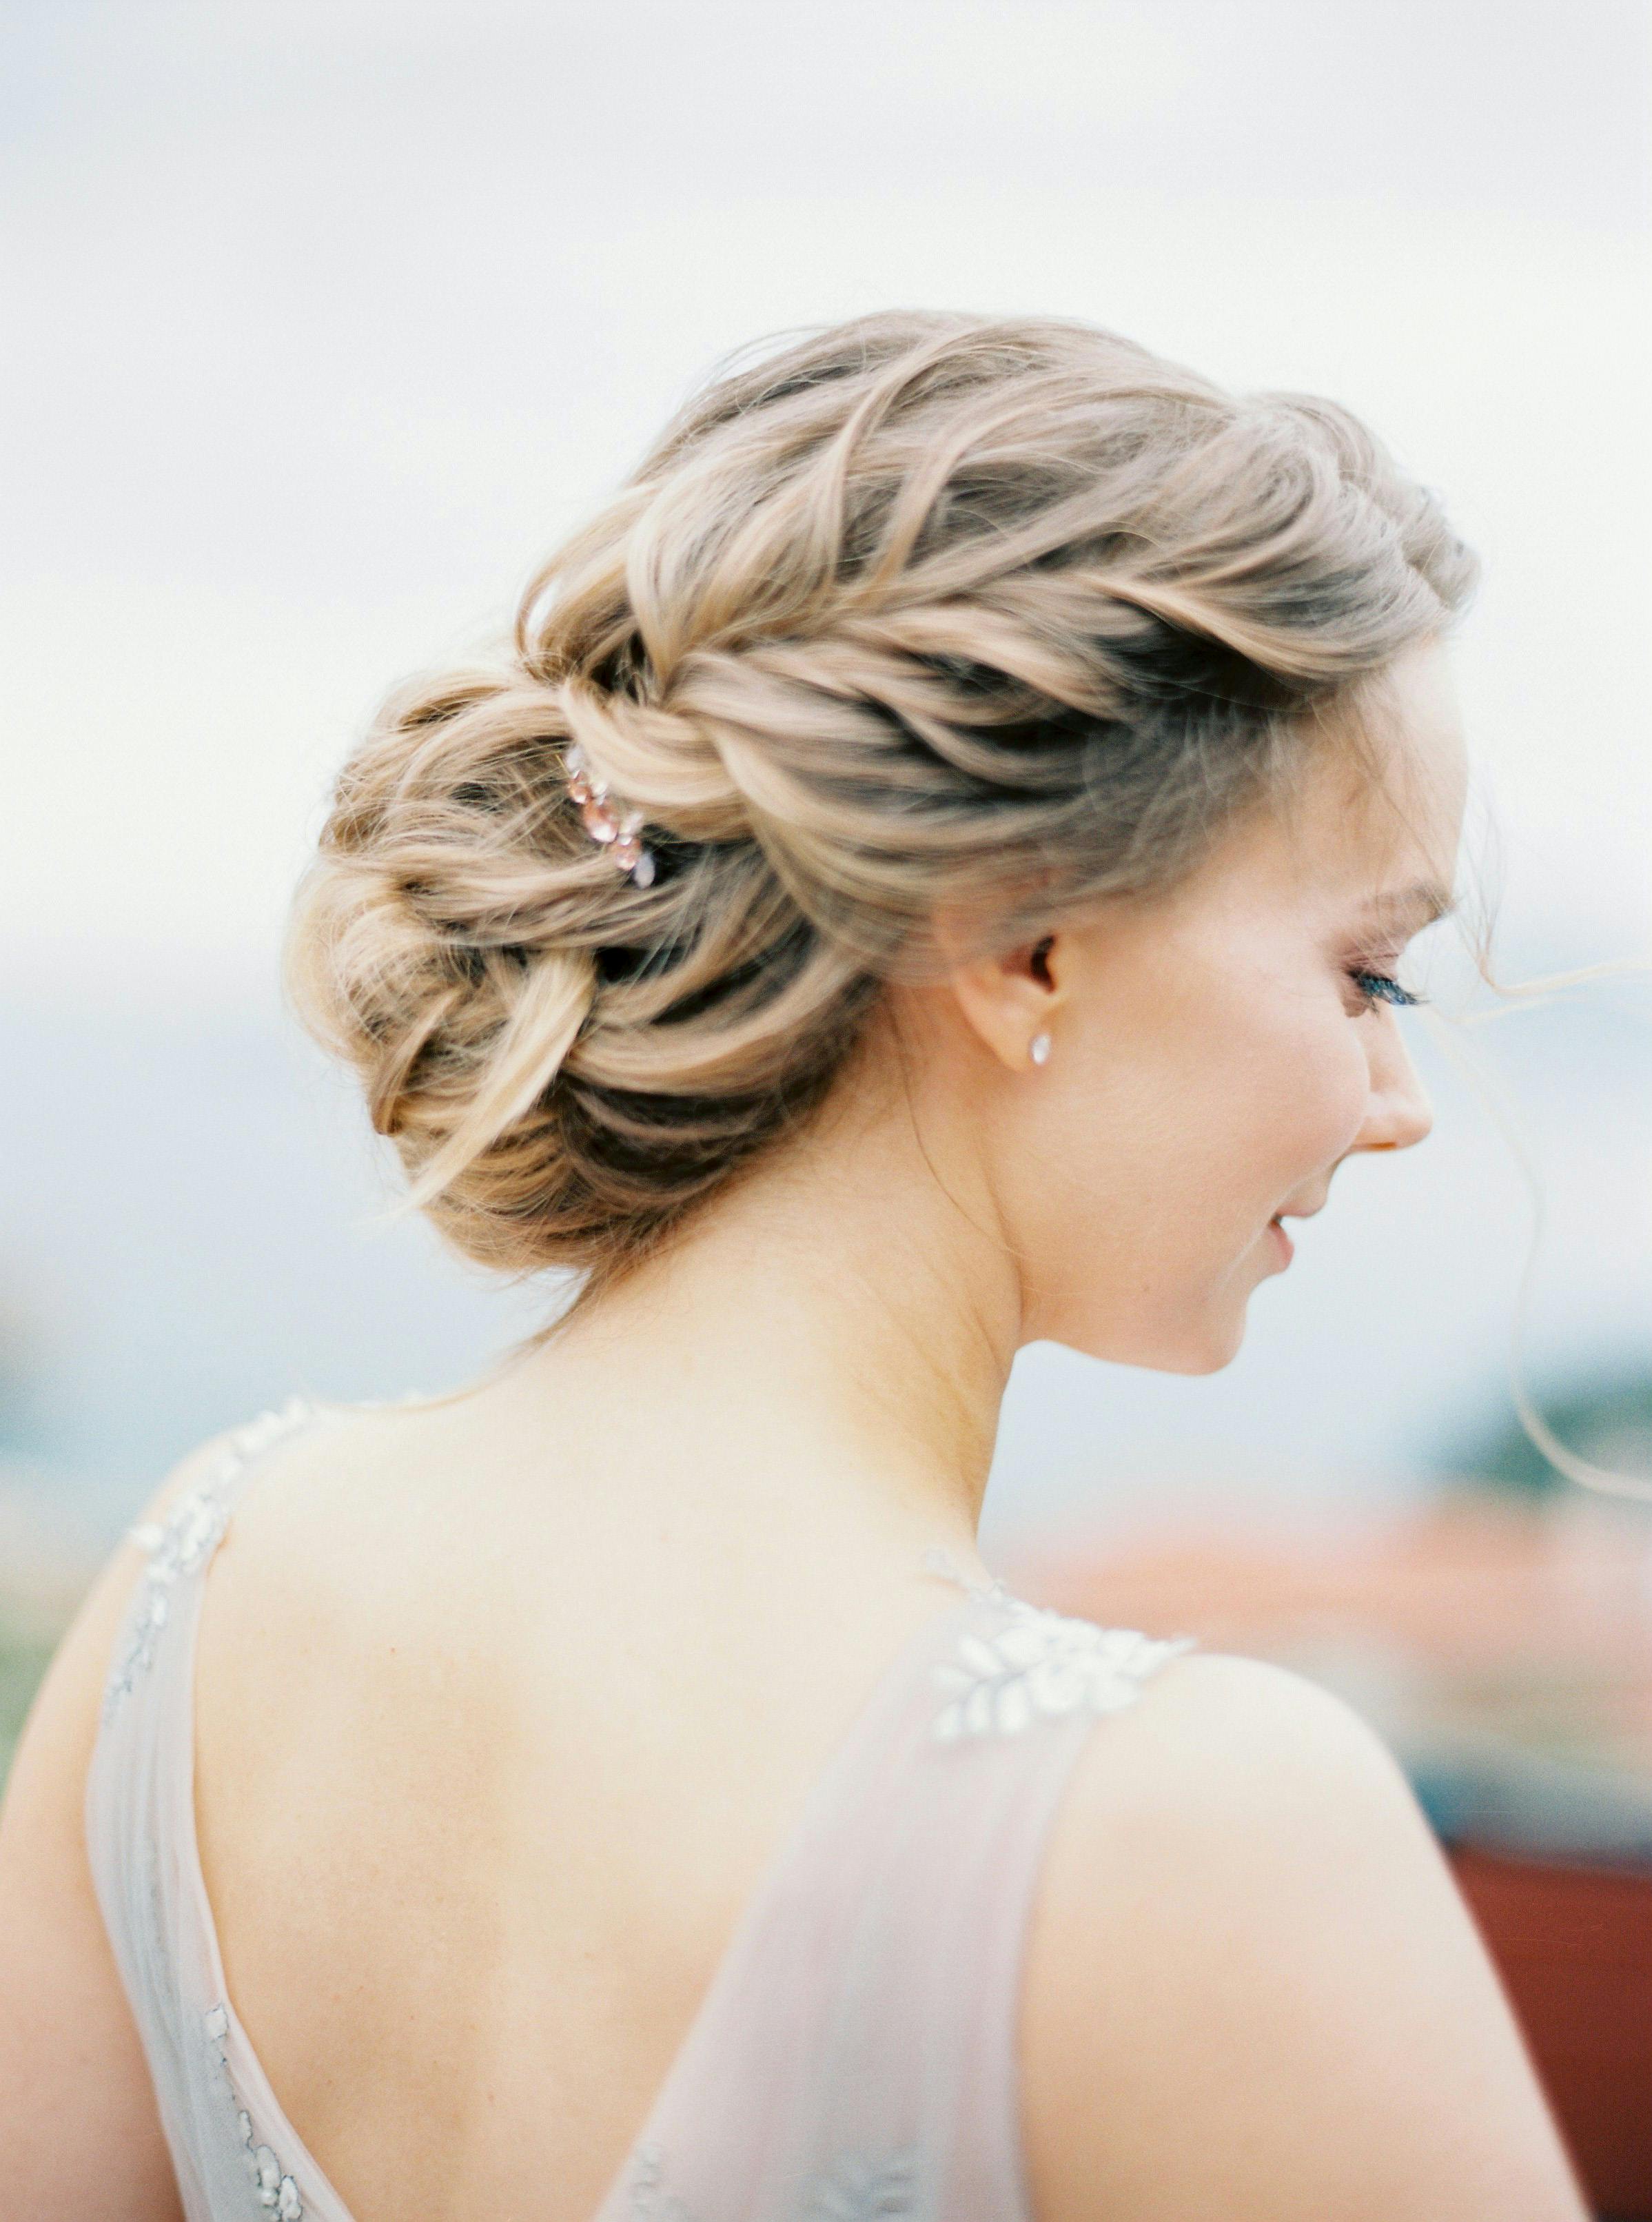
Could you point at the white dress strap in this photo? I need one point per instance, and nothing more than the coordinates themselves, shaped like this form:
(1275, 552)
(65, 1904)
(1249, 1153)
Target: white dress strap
(856, 2055)
(236, 2158)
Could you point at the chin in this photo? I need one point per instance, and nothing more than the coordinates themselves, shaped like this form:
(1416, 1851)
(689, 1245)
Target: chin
(1184, 1353)
(1203, 1362)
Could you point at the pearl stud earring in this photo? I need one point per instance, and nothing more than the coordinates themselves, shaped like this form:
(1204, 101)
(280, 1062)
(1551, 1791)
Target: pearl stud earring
(1038, 1049)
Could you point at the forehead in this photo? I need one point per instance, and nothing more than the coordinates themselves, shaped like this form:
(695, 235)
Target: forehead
(1377, 814)
(1369, 823)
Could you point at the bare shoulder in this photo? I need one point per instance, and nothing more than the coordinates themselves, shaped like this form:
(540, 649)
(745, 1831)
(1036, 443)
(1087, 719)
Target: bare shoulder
(57, 1742)
(332, 1536)
(315, 1585)
(1253, 1993)
(48, 1778)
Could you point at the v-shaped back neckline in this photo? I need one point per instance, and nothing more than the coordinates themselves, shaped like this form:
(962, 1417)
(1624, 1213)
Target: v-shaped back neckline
(246, 2071)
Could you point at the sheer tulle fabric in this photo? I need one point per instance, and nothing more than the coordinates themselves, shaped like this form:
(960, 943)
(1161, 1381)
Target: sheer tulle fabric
(855, 2055)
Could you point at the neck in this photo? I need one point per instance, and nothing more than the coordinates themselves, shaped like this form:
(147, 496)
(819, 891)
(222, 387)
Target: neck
(820, 1362)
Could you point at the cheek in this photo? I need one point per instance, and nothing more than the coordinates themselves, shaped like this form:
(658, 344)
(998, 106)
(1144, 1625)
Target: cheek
(1312, 1089)
(1154, 1160)
(1266, 1093)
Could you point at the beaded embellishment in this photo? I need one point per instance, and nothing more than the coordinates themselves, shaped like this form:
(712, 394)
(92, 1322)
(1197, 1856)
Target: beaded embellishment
(604, 821)
(275, 2190)
(178, 1544)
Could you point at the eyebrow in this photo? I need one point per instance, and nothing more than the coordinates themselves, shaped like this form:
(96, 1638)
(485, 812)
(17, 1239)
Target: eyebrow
(1423, 901)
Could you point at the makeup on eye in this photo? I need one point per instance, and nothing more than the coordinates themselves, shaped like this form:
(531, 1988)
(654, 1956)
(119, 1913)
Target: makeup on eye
(1374, 988)
(1408, 912)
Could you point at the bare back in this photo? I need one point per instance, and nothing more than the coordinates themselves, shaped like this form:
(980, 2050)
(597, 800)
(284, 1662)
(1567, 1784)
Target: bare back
(504, 1862)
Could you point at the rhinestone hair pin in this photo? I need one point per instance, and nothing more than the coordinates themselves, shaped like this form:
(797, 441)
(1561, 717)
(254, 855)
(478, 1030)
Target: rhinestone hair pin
(615, 830)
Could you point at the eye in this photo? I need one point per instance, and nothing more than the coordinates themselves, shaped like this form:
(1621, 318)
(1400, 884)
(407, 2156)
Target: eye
(1374, 988)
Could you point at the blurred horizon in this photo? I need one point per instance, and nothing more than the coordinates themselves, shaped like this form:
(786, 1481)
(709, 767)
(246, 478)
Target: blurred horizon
(235, 1246)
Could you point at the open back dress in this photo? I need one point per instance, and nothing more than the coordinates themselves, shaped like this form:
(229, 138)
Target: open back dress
(855, 2054)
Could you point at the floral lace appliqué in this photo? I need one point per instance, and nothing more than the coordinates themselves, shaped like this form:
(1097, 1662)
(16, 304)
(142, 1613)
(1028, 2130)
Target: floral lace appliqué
(853, 2189)
(859, 2190)
(275, 2190)
(1043, 1664)
(179, 1543)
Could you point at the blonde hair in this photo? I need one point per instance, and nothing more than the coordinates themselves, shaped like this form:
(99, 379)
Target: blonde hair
(1007, 614)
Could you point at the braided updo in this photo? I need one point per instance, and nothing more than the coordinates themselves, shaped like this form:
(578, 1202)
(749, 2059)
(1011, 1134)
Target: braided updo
(1007, 613)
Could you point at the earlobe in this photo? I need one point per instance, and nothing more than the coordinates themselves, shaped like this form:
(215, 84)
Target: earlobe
(1008, 1001)
(1038, 1047)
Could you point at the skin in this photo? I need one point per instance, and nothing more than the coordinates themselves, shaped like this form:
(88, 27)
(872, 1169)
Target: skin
(433, 1634)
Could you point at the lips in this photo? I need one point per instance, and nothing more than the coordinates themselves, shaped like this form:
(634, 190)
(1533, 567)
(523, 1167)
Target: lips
(1277, 1224)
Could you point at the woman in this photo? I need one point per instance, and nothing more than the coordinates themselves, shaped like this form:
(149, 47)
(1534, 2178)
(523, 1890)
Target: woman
(931, 876)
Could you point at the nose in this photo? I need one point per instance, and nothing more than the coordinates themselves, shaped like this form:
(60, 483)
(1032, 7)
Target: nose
(1398, 1112)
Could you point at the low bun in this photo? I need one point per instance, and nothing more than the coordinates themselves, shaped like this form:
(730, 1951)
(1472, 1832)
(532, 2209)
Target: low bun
(1006, 614)
(556, 1095)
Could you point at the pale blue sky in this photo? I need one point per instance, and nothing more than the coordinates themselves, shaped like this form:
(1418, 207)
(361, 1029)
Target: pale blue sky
(328, 319)
(331, 317)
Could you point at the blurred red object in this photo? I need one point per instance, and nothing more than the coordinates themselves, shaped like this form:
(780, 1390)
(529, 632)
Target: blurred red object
(1573, 1947)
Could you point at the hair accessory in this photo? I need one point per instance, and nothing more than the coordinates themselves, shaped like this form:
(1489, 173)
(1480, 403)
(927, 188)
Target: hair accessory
(616, 832)
(1038, 1049)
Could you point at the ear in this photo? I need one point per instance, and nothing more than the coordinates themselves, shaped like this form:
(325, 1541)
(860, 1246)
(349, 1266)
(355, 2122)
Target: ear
(1009, 999)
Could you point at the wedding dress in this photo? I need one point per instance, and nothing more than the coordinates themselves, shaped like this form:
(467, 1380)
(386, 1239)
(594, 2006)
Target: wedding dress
(855, 2054)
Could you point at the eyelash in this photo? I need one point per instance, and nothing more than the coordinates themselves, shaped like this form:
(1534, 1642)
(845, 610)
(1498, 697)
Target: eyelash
(1401, 997)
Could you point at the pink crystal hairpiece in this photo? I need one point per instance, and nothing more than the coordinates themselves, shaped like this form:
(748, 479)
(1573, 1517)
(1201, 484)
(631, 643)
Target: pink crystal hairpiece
(615, 830)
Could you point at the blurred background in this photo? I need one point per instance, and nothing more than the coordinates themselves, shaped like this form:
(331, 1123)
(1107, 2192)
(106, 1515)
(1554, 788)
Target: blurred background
(329, 320)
